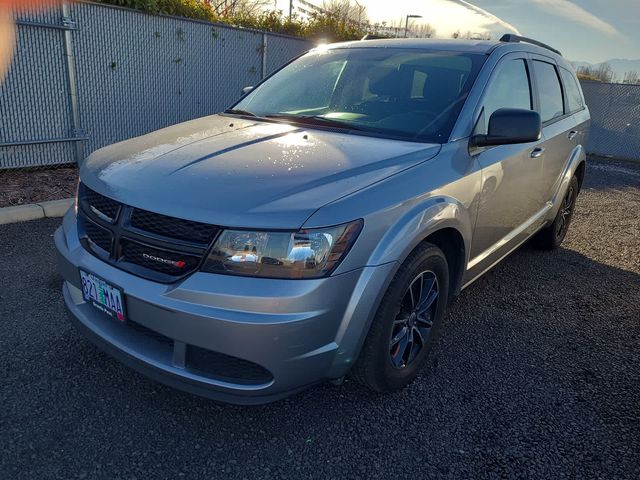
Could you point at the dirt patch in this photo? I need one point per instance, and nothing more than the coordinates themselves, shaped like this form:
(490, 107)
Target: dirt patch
(21, 187)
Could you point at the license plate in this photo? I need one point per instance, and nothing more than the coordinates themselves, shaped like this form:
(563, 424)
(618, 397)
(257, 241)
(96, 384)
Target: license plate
(102, 295)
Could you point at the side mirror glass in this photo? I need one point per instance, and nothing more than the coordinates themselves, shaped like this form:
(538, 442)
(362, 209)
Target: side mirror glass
(510, 125)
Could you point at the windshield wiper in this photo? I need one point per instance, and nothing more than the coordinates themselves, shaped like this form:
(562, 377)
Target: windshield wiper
(235, 111)
(314, 120)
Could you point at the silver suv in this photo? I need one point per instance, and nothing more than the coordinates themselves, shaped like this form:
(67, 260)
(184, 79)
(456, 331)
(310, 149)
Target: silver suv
(320, 226)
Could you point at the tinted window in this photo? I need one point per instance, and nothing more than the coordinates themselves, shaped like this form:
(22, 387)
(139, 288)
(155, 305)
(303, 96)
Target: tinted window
(508, 89)
(572, 91)
(549, 91)
(407, 93)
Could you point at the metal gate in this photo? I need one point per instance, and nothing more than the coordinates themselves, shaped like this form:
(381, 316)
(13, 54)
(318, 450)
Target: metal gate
(38, 111)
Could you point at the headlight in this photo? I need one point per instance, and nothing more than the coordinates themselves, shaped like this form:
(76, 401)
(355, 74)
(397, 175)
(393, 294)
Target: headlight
(302, 254)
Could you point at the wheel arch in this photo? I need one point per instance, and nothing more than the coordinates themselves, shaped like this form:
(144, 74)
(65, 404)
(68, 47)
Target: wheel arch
(441, 220)
(444, 222)
(451, 242)
(580, 171)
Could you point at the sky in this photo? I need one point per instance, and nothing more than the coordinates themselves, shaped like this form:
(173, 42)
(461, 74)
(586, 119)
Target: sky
(584, 30)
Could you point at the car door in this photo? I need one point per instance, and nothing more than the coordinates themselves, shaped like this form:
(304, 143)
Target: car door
(558, 125)
(512, 193)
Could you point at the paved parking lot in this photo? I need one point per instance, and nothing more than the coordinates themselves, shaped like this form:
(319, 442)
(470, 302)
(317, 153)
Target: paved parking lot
(536, 374)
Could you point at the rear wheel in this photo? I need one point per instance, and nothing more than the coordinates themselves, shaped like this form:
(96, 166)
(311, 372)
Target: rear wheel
(413, 306)
(552, 236)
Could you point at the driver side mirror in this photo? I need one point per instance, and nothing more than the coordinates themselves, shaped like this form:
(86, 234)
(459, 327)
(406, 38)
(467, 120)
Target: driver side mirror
(510, 125)
(246, 90)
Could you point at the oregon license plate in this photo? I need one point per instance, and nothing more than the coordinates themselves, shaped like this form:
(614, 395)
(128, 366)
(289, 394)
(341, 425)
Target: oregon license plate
(102, 295)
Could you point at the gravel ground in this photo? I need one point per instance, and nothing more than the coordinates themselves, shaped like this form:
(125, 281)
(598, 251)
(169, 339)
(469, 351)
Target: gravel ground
(536, 374)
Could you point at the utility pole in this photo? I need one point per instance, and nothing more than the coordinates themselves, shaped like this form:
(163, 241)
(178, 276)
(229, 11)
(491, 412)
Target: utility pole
(360, 10)
(290, 9)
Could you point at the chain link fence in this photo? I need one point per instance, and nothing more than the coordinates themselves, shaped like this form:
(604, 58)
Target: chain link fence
(615, 119)
(89, 75)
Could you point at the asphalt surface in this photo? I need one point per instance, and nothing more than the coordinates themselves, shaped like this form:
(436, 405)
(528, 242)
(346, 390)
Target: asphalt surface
(536, 374)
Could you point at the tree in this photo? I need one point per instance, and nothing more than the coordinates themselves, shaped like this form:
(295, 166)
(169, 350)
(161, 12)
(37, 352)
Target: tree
(631, 77)
(599, 73)
(605, 73)
(347, 11)
(396, 29)
(231, 8)
(423, 30)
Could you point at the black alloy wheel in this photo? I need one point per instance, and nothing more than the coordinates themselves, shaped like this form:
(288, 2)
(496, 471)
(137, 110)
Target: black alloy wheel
(412, 325)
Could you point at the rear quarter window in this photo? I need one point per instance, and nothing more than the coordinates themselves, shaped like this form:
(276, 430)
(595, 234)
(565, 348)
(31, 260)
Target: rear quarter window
(572, 91)
(549, 90)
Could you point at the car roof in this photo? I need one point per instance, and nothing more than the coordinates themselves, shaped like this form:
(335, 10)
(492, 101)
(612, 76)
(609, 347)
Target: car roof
(447, 45)
(451, 45)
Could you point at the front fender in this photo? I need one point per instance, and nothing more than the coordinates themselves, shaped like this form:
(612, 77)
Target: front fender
(425, 218)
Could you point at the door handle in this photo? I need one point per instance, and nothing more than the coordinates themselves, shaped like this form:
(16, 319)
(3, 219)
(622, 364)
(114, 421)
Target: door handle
(572, 134)
(537, 152)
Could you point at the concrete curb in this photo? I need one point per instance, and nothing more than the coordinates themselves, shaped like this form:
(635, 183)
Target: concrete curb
(35, 211)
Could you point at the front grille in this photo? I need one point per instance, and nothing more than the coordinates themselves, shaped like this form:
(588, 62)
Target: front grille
(147, 332)
(100, 205)
(200, 361)
(98, 236)
(223, 366)
(172, 227)
(146, 244)
(170, 263)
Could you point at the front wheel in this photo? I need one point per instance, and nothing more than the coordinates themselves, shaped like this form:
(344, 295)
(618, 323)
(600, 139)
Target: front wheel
(551, 237)
(400, 336)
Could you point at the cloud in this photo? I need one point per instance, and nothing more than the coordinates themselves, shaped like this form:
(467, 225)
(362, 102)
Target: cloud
(571, 11)
(489, 16)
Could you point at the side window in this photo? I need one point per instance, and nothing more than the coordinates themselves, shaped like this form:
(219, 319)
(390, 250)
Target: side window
(572, 90)
(509, 89)
(549, 90)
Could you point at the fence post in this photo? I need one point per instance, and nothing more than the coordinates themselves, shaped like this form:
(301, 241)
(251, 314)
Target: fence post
(72, 79)
(264, 55)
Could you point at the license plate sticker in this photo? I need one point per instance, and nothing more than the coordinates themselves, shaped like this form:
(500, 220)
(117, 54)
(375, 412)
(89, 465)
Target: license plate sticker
(102, 295)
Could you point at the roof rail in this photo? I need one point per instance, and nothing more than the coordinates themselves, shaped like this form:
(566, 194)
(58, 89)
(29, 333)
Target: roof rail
(511, 38)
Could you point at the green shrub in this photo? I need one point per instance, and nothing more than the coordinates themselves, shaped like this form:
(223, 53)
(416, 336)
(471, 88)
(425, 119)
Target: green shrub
(179, 8)
(326, 27)
(185, 8)
(332, 29)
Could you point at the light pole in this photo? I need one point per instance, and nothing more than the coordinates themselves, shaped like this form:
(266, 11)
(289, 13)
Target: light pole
(360, 10)
(406, 23)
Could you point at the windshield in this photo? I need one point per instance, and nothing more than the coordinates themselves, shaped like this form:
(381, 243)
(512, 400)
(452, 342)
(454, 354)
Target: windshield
(406, 93)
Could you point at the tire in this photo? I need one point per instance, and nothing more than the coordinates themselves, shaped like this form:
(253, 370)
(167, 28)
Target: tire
(380, 363)
(551, 237)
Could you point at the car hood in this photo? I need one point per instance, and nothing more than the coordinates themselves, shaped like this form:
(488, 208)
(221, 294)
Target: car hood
(241, 173)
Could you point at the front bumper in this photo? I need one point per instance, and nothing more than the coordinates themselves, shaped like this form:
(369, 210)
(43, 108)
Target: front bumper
(299, 332)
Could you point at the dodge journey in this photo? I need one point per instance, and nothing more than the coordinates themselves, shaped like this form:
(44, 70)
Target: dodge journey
(320, 226)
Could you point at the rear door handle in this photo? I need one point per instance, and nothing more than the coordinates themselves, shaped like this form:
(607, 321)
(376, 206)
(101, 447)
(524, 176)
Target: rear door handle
(572, 134)
(537, 152)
